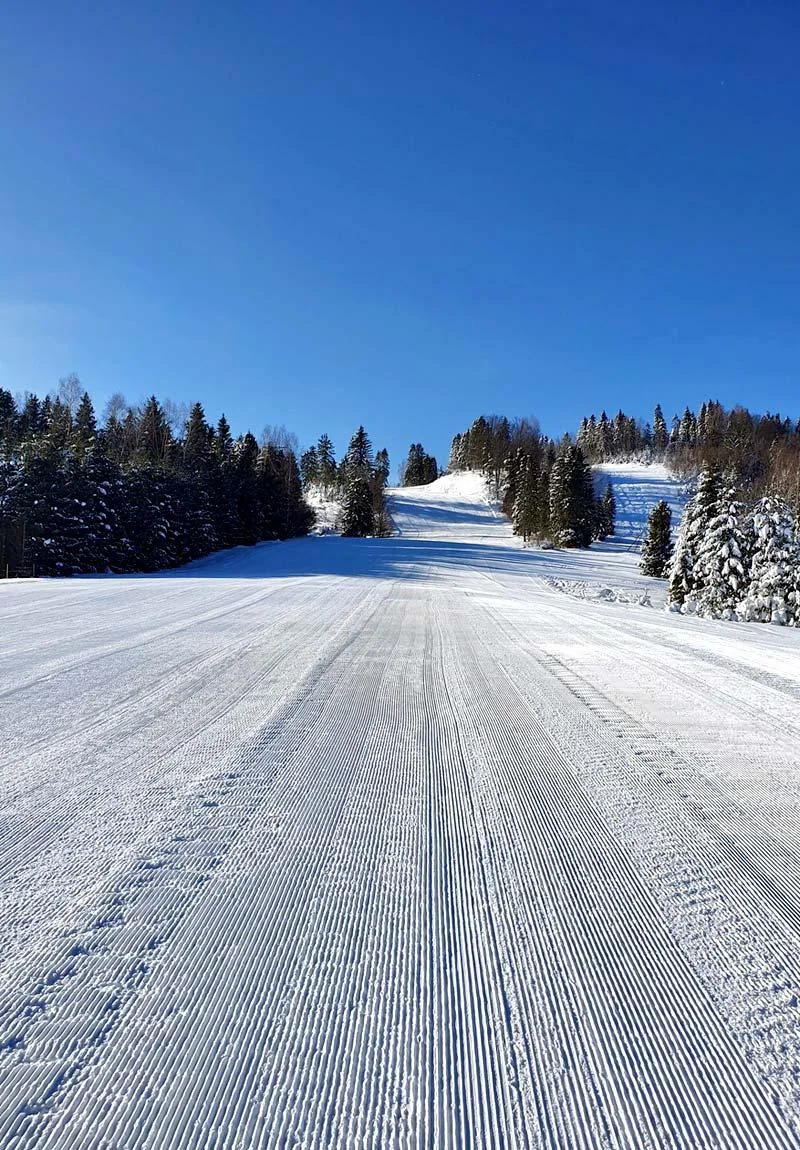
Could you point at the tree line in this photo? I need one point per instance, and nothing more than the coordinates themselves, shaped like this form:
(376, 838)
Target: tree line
(763, 451)
(547, 488)
(133, 493)
(358, 482)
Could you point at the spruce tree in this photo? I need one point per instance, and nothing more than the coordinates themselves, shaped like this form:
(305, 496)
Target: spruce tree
(197, 441)
(357, 496)
(606, 513)
(419, 467)
(85, 424)
(774, 570)
(660, 433)
(382, 466)
(309, 467)
(524, 518)
(685, 575)
(223, 440)
(720, 575)
(153, 434)
(326, 462)
(657, 546)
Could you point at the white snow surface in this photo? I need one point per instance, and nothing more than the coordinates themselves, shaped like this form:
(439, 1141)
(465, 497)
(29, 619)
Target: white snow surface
(326, 509)
(388, 843)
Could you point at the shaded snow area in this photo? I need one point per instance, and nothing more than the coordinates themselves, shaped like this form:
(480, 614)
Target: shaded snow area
(637, 488)
(386, 843)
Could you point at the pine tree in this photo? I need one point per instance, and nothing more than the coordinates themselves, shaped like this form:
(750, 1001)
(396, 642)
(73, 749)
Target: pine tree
(685, 576)
(153, 434)
(688, 427)
(660, 433)
(524, 517)
(309, 467)
(720, 575)
(357, 498)
(657, 546)
(774, 570)
(459, 452)
(382, 466)
(606, 513)
(223, 440)
(327, 463)
(572, 499)
(197, 441)
(419, 468)
(85, 424)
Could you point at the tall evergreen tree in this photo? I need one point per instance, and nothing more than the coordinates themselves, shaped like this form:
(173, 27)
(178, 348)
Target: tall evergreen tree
(606, 513)
(660, 433)
(773, 594)
(223, 440)
(197, 441)
(357, 497)
(572, 499)
(382, 466)
(657, 546)
(153, 434)
(720, 575)
(685, 576)
(327, 463)
(419, 468)
(85, 423)
(524, 514)
(309, 466)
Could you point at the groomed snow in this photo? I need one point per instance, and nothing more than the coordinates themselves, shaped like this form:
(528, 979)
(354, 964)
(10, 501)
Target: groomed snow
(390, 843)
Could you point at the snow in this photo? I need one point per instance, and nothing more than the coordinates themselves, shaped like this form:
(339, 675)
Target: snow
(326, 509)
(459, 504)
(386, 842)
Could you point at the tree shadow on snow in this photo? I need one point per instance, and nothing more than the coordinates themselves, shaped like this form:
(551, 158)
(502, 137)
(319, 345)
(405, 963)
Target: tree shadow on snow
(397, 557)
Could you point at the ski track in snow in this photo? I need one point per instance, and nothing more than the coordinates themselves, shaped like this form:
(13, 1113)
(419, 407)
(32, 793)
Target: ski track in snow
(389, 843)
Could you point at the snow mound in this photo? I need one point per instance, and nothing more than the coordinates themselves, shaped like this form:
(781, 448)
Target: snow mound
(599, 593)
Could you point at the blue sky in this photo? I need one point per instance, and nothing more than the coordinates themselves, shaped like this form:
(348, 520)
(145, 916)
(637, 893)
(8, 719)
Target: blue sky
(403, 214)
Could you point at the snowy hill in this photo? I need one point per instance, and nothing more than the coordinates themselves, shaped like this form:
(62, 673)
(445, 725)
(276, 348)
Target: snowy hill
(455, 506)
(460, 506)
(637, 488)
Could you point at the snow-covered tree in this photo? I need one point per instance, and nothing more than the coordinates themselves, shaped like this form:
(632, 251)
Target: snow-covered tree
(573, 506)
(657, 546)
(660, 433)
(684, 577)
(773, 595)
(720, 570)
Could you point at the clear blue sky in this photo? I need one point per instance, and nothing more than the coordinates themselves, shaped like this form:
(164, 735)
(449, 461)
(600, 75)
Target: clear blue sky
(403, 214)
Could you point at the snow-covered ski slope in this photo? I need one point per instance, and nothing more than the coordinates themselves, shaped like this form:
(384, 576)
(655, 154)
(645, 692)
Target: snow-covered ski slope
(637, 488)
(388, 843)
(455, 506)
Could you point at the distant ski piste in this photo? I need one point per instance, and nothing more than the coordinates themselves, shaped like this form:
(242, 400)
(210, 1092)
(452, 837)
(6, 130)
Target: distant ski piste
(394, 843)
